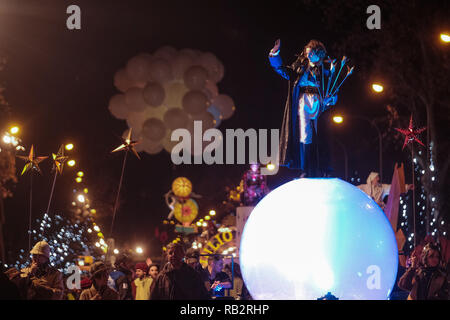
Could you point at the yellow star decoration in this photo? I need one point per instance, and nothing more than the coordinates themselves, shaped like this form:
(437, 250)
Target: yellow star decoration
(128, 145)
(59, 159)
(32, 161)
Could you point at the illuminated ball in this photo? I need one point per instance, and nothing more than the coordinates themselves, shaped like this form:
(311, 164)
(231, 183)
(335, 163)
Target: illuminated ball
(182, 187)
(309, 237)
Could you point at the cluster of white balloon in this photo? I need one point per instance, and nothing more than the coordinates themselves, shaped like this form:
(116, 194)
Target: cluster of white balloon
(167, 90)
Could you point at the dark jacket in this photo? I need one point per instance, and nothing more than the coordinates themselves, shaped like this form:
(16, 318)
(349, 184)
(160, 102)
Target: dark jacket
(178, 284)
(46, 284)
(122, 284)
(425, 284)
(291, 154)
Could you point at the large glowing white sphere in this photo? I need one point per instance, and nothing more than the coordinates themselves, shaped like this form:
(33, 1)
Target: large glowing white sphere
(309, 237)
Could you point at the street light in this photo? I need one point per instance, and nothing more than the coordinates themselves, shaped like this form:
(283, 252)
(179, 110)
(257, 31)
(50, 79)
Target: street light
(445, 37)
(338, 119)
(212, 212)
(71, 163)
(377, 87)
(380, 140)
(139, 250)
(69, 146)
(14, 130)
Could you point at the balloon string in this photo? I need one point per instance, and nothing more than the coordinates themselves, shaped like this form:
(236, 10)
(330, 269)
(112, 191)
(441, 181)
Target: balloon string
(118, 193)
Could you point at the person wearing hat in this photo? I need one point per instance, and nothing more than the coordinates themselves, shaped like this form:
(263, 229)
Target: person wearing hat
(122, 277)
(142, 283)
(99, 289)
(40, 281)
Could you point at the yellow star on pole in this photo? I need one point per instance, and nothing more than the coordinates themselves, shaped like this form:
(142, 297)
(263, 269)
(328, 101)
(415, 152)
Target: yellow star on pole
(59, 159)
(128, 144)
(32, 161)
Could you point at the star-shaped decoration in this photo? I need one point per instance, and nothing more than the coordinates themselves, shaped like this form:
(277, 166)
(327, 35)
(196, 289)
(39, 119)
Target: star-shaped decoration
(411, 133)
(128, 145)
(59, 159)
(32, 161)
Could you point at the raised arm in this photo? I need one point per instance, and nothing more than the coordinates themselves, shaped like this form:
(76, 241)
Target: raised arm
(277, 63)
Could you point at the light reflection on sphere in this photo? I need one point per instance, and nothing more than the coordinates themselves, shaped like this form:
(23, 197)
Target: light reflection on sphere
(313, 236)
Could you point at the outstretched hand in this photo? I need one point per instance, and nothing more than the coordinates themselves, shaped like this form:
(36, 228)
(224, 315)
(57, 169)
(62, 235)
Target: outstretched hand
(330, 101)
(276, 46)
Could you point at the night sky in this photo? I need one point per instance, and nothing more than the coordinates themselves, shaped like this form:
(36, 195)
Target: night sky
(59, 83)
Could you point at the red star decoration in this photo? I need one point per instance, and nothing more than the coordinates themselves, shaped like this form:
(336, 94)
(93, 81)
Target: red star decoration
(411, 133)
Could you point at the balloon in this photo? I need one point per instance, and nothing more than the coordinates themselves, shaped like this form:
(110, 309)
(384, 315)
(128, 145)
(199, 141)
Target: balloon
(182, 187)
(176, 118)
(153, 129)
(118, 106)
(135, 120)
(167, 143)
(122, 81)
(153, 94)
(195, 102)
(167, 53)
(180, 63)
(160, 70)
(216, 114)
(225, 105)
(195, 77)
(138, 67)
(135, 99)
(194, 55)
(151, 147)
(206, 118)
(174, 94)
(210, 90)
(214, 67)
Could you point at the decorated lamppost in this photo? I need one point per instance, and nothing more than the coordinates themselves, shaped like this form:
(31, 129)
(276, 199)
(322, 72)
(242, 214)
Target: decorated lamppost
(411, 135)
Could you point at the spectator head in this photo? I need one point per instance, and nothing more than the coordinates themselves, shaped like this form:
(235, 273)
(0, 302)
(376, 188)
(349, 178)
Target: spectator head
(124, 261)
(175, 254)
(99, 274)
(431, 255)
(141, 269)
(153, 270)
(86, 283)
(192, 257)
(41, 252)
(215, 262)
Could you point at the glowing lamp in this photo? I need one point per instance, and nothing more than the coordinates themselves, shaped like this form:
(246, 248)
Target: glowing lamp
(445, 37)
(377, 87)
(212, 212)
(69, 146)
(337, 240)
(338, 119)
(116, 251)
(139, 250)
(14, 130)
(71, 163)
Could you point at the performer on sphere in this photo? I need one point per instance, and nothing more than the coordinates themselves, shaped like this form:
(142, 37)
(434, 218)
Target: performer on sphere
(299, 145)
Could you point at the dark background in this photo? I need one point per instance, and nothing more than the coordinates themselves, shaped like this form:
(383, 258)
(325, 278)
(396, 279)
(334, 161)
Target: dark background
(59, 83)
